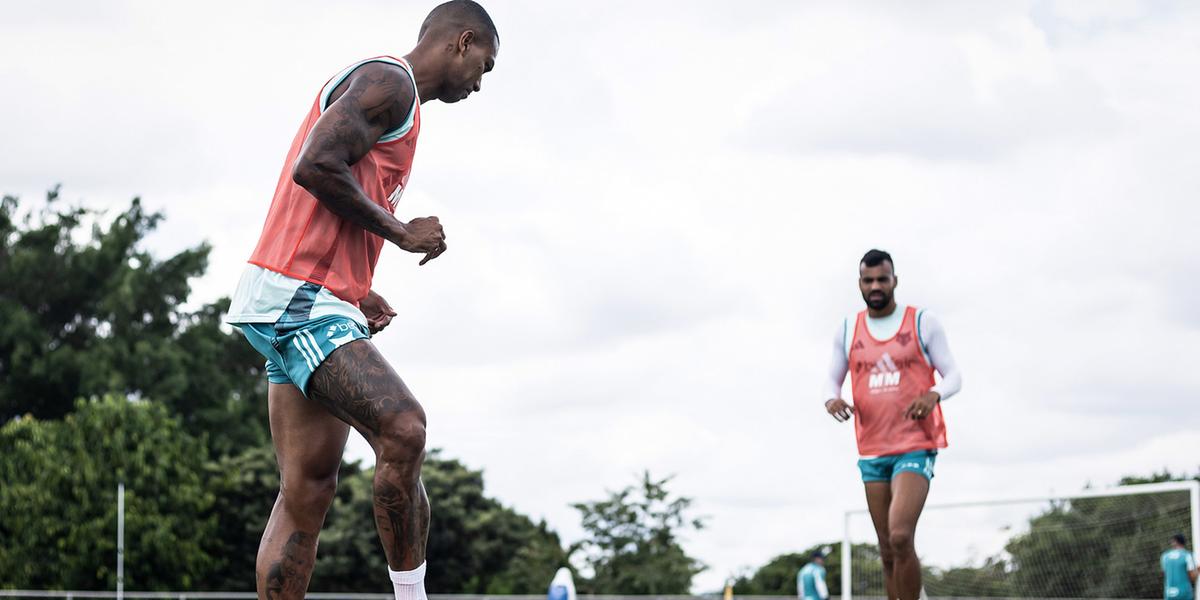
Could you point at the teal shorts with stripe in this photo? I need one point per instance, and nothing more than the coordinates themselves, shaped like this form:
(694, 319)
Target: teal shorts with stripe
(884, 468)
(294, 349)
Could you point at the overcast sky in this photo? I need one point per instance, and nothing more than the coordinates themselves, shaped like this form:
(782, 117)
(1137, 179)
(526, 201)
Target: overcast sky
(655, 212)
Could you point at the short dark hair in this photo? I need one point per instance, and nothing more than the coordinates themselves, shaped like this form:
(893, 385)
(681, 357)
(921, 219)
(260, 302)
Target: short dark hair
(459, 15)
(874, 258)
(1180, 539)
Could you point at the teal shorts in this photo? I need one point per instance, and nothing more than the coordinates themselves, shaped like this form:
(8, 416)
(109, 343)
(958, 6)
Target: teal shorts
(295, 349)
(884, 468)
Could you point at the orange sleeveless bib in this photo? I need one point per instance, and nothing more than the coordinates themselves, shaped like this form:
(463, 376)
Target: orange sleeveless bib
(887, 375)
(304, 240)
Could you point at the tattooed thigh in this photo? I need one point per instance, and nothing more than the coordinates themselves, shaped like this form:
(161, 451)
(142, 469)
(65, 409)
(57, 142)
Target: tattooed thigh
(357, 385)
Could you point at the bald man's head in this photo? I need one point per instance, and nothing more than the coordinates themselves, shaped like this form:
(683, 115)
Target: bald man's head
(456, 16)
(460, 43)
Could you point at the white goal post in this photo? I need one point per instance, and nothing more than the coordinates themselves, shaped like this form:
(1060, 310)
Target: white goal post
(1190, 486)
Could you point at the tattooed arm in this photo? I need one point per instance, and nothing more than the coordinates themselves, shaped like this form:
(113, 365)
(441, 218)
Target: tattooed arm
(375, 98)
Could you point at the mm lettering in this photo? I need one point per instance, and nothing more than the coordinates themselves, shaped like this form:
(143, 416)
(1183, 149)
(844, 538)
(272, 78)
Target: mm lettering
(884, 379)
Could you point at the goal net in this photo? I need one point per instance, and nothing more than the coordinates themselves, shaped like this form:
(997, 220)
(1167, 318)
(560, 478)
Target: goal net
(1094, 544)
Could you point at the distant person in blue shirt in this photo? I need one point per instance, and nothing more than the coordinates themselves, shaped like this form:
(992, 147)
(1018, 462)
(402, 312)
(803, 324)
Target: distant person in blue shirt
(810, 581)
(1179, 570)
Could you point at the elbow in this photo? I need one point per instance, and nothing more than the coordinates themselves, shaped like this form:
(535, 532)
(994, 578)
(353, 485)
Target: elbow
(303, 172)
(308, 170)
(953, 387)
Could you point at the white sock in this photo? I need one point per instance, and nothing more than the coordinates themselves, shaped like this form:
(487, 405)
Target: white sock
(410, 585)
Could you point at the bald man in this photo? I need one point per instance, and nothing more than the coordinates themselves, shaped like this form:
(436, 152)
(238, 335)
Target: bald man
(305, 300)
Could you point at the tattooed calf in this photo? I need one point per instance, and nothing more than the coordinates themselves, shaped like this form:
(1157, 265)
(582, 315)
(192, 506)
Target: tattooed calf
(288, 577)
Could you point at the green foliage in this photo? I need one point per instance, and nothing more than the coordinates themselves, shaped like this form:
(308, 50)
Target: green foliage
(1159, 477)
(486, 548)
(350, 558)
(244, 486)
(476, 545)
(633, 546)
(59, 498)
(86, 314)
(993, 579)
(480, 545)
(1112, 544)
(778, 576)
(533, 565)
(178, 411)
(866, 559)
(1105, 547)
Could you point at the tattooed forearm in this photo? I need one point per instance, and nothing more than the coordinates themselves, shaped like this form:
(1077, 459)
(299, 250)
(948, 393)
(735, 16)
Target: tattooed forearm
(339, 192)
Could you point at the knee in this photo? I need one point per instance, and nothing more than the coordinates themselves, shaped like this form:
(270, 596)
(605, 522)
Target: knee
(886, 556)
(308, 494)
(885, 547)
(901, 541)
(401, 439)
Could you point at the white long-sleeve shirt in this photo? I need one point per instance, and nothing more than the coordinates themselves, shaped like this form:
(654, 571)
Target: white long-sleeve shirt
(933, 345)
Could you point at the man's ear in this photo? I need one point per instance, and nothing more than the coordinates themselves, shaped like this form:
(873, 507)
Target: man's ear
(465, 40)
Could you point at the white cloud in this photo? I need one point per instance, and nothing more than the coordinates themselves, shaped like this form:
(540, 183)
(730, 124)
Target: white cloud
(896, 89)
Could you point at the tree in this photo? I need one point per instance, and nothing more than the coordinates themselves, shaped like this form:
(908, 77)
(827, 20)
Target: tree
(533, 565)
(1112, 545)
(349, 556)
(992, 579)
(476, 545)
(87, 314)
(59, 500)
(175, 404)
(193, 523)
(633, 545)
(244, 486)
(778, 576)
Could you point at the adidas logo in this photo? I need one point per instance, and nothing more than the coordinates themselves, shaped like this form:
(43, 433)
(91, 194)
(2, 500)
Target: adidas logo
(884, 374)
